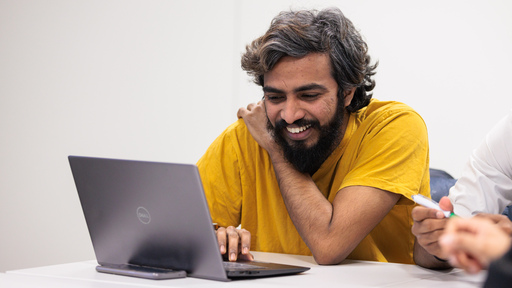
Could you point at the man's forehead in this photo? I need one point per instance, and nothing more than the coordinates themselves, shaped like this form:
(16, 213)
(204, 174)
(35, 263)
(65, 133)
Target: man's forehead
(300, 73)
(313, 58)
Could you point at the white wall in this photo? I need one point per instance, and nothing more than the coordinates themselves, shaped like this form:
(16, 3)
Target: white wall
(149, 80)
(159, 80)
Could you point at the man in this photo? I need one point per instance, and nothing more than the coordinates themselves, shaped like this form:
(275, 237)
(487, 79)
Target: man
(483, 190)
(318, 167)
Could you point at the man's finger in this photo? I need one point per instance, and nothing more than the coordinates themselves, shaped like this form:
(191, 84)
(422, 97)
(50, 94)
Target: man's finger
(221, 239)
(245, 242)
(241, 112)
(233, 240)
(420, 213)
(250, 106)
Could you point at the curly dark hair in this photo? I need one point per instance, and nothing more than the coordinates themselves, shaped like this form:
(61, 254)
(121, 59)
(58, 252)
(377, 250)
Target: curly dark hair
(297, 33)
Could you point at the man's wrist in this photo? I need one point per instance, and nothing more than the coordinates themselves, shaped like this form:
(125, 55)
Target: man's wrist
(276, 155)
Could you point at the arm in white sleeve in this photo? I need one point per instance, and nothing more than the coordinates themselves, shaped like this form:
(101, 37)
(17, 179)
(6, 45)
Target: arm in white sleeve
(486, 181)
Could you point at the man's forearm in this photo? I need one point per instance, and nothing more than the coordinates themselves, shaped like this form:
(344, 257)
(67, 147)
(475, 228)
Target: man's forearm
(331, 230)
(310, 211)
(307, 207)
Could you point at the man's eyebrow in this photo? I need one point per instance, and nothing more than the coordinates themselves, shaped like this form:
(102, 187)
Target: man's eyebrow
(270, 89)
(312, 86)
(308, 87)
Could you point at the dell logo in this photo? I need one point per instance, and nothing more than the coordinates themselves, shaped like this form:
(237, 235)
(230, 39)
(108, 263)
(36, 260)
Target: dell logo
(143, 215)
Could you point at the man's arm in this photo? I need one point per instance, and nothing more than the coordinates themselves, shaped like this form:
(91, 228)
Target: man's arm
(331, 231)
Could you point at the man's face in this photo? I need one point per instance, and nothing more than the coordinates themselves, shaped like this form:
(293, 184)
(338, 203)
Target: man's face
(301, 101)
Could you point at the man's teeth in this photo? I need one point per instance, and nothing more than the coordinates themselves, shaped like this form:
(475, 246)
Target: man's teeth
(297, 129)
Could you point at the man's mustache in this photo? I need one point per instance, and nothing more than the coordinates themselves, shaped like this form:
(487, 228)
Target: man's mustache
(281, 124)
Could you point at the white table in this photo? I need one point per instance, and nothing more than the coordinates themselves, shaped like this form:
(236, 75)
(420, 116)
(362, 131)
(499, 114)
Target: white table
(348, 274)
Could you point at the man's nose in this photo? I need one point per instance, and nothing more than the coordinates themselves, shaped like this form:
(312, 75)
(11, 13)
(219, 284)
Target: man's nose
(292, 111)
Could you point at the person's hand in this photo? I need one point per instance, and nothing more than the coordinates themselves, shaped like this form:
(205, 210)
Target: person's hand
(501, 220)
(255, 119)
(472, 244)
(234, 243)
(428, 226)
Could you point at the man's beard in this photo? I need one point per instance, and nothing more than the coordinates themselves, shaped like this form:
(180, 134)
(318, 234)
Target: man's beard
(309, 160)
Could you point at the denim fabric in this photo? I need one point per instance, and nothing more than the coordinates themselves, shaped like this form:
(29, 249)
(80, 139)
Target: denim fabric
(440, 184)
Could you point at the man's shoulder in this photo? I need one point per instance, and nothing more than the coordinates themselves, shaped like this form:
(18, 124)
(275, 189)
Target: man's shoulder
(392, 118)
(385, 110)
(235, 142)
(237, 129)
(378, 107)
(237, 134)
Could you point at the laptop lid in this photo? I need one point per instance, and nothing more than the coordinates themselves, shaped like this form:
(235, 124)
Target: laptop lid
(153, 214)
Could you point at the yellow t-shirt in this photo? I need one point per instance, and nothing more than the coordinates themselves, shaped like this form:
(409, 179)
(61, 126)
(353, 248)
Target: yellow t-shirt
(385, 146)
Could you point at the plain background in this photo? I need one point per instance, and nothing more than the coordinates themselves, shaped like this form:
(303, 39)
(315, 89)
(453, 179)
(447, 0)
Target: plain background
(159, 80)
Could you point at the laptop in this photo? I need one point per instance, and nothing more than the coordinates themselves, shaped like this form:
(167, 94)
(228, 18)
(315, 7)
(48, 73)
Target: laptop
(151, 219)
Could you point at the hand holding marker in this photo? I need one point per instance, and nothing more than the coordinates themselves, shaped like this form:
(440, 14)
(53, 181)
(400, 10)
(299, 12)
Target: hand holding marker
(429, 203)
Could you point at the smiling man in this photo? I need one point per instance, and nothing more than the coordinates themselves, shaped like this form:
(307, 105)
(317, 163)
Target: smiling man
(318, 167)
(304, 114)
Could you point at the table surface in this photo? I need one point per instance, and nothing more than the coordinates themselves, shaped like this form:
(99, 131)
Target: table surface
(348, 274)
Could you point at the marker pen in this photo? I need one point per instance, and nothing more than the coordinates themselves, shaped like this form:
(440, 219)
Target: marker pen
(429, 203)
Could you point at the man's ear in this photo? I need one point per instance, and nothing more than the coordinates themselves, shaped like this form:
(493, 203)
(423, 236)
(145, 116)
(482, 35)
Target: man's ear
(348, 95)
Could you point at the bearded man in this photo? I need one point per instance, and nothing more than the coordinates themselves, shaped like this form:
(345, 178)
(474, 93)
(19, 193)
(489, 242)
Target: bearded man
(317, 167)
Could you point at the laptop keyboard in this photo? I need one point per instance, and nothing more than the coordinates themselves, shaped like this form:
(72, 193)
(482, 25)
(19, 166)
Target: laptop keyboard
(240, 266)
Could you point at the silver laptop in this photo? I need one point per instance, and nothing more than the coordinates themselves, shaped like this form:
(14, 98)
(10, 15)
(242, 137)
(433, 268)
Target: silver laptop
(151, 219)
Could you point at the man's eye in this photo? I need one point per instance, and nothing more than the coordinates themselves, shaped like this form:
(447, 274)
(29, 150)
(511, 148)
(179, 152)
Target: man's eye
(274, 98)
(310, 96)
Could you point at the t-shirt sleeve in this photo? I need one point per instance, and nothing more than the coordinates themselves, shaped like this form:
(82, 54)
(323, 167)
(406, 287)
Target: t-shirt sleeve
(220, 175)
(392, 154)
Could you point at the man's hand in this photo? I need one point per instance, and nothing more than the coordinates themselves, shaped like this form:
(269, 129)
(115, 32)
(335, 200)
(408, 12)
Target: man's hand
(234, 243)
(429, 225)
(255, 119)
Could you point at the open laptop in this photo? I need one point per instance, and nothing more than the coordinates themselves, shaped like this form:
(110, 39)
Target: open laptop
(150, 215)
